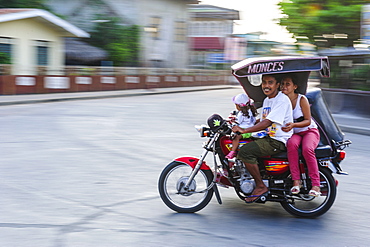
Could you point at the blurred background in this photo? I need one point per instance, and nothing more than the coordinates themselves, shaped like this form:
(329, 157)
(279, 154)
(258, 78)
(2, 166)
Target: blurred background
(84, 172)
(88, 37)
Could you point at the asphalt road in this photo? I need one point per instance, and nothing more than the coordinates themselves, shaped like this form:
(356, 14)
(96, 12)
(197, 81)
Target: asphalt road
(84, 173)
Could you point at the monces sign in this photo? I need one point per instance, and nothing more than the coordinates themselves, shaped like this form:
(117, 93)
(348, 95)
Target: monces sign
(265, 67)
(257, 66)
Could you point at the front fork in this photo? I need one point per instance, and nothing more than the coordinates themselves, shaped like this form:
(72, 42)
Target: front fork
(209, 147)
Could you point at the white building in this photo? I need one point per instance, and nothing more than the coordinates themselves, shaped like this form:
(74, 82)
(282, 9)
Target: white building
(34, 39)
(209, 30)
(164, 40)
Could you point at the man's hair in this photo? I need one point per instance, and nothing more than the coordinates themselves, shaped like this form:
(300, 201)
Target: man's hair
(276, 77)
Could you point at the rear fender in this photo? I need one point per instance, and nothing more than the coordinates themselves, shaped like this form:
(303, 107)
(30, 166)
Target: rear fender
(192, 161)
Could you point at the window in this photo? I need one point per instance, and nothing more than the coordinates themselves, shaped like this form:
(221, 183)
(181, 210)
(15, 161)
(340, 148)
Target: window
(196, 28)
(191, 28)
(154, 27)
(42, 50)
(6, 46)
(180, 31)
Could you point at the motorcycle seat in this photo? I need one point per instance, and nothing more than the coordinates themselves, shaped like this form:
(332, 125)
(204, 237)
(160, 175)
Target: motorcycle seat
(321, 152)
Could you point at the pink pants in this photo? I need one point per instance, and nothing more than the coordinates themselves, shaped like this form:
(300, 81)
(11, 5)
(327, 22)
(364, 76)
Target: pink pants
(309, 140)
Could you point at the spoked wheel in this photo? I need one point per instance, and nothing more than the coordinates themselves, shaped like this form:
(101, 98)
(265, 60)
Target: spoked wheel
(303, 205)
(171, 188)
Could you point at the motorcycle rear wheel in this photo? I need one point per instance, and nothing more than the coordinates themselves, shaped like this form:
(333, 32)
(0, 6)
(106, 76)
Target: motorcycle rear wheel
(171, 183)
(308, 206)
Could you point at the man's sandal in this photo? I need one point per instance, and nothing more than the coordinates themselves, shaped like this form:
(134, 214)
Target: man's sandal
(257, 198)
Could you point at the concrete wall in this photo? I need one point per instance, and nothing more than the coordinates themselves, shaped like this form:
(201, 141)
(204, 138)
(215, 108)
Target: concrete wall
(345, 101)
(171, 53)
(12, 84)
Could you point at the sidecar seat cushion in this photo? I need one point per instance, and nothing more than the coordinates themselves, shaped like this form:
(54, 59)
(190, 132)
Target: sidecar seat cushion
(321, 151)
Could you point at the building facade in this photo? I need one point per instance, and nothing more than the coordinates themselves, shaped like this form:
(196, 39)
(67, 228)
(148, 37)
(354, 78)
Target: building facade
(209, 30)
(34, 39)
(163, 25)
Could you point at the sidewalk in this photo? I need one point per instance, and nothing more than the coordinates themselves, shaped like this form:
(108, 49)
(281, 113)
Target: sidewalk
(348, 123)
(53, 97)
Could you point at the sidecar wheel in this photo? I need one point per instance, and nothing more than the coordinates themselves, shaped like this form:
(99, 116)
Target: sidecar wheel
(308, 206)
(171, 183)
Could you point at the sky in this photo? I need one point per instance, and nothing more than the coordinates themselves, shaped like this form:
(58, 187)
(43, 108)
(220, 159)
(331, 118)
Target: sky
(256, 15)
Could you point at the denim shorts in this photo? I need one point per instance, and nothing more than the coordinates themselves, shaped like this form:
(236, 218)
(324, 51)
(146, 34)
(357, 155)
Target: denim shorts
(261, 147)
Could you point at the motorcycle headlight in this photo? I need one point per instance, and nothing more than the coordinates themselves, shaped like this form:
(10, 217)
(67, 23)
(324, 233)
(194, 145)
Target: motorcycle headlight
(203, 130)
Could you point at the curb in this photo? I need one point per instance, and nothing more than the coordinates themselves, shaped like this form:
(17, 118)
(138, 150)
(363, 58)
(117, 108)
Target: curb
(354, 130)
(72, 96)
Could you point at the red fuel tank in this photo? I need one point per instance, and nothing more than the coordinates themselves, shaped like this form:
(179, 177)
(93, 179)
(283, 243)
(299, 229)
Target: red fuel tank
(227, 143)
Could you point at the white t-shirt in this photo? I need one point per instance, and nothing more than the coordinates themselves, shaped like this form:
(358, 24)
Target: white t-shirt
(279, 111)
(245, 121)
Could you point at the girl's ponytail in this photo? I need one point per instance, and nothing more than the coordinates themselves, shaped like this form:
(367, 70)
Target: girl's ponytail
(249, 106)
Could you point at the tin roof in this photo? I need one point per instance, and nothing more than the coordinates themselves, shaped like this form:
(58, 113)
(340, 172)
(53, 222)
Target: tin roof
(80, 51)
(66, 28)
(214, 12)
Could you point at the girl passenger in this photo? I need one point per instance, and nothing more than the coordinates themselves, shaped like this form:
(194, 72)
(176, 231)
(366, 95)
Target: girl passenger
(305, 134)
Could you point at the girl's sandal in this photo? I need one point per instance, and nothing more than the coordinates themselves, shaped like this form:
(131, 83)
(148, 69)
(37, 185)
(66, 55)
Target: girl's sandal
(295, 189)
(314, 193)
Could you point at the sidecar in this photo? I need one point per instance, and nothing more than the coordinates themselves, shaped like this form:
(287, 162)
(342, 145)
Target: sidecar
(249, 72)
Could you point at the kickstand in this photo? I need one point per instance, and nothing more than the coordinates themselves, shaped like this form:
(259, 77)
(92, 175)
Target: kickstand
(217, 193)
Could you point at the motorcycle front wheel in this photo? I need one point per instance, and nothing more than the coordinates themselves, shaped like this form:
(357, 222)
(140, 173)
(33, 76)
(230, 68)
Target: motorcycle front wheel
(303, 205)
(171, 188)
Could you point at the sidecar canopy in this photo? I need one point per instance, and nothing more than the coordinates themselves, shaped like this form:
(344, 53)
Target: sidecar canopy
(300, 67)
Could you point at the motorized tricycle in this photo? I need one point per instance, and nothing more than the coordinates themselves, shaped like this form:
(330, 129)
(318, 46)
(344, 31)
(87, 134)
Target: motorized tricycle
(187, 184)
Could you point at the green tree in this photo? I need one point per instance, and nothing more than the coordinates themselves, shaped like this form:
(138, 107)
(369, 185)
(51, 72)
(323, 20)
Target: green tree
(39, 4)
(4, 58)
(121, 42)
(322, 19)
(106, 31)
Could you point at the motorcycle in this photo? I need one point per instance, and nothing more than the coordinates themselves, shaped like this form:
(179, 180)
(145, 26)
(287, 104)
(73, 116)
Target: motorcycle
(187, 184)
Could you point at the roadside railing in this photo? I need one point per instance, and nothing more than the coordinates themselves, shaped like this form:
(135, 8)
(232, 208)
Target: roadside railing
(84, 79)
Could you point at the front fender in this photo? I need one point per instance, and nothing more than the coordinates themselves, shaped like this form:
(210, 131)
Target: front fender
(192, 161)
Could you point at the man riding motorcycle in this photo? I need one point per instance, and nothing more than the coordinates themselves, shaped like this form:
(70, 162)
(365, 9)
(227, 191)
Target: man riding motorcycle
(276, 113)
